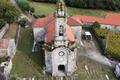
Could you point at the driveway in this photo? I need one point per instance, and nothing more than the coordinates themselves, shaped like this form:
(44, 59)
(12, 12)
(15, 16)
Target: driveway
(90, 49)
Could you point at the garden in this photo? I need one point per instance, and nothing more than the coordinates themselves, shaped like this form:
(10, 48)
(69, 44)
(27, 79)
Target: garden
(110, 41)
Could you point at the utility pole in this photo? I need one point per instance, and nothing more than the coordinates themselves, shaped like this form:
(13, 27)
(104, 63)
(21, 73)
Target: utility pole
(107, 38)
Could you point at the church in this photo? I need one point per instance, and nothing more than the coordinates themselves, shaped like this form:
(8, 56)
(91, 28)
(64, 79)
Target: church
(59, 35)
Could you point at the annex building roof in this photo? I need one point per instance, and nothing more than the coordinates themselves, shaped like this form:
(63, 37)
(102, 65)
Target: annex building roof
(110, 19)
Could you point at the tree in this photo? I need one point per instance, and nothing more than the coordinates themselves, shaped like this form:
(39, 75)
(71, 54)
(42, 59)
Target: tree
(95, 4)
(32, 10)
(96, 25)
(2, 23)
(8, 12)
(23, 22)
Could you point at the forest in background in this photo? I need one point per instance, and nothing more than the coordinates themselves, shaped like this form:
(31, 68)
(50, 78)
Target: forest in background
(94, 4)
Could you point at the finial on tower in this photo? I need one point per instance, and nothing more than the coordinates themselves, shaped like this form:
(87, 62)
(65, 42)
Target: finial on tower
(61, 8)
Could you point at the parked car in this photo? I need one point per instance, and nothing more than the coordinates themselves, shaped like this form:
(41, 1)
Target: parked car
(117, 70)
(87, 36)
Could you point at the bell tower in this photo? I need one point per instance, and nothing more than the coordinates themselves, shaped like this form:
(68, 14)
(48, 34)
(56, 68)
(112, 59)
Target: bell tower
(61, 24)
(61, 60)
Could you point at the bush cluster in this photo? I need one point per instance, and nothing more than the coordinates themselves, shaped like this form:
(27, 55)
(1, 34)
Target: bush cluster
(24, 5)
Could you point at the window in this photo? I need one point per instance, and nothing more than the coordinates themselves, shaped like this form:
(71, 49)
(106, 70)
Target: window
(61, 30)
(61, 53)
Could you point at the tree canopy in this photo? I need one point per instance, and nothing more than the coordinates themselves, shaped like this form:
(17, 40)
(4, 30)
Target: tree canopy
(95, 25)
(95, 4)
(8, 12)
(25, 6)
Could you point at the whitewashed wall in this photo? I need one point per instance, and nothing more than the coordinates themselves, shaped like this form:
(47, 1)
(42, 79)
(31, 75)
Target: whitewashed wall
(11, 48)
(39, 34)
(4, 30)
(77, 34)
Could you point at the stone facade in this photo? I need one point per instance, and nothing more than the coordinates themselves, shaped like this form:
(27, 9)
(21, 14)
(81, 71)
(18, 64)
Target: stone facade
(60, 53)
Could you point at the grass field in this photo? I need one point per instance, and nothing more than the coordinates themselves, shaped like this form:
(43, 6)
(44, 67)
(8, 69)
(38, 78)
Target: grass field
(96, 71)
(45, 8)
(26, 63)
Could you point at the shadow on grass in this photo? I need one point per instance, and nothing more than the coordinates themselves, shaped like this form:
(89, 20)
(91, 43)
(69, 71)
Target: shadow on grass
(25, 46)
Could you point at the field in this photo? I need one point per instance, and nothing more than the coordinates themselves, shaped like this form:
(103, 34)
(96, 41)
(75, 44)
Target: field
(112, 41)
(45, 8)
(26, 63)
(96, 71)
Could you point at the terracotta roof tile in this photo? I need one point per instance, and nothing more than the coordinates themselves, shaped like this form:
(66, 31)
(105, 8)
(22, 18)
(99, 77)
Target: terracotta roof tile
(111, 18)
(4, 43)
(41, 22)
(69, 33)
(50, 31)
(73, 22)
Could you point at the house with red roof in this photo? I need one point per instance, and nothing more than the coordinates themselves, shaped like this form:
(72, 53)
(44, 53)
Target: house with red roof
(7, 48)
(59, 34)
(110, 21)
(7, 51)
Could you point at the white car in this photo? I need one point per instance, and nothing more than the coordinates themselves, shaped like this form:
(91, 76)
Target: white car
(117, 70)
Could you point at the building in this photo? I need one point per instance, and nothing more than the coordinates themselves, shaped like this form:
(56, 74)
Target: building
(60, 35)
(110, 21)
(7, 51)
(7, 48)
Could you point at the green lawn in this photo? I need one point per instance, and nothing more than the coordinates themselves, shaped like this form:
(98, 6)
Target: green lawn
(45, 8)
(26, 63)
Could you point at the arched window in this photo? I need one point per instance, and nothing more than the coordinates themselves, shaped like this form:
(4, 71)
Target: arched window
(61, 30)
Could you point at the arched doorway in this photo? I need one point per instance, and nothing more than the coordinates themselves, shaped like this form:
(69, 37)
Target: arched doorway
(61, 68)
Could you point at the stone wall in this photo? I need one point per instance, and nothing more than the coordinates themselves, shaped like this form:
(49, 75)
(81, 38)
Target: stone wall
(4, 30)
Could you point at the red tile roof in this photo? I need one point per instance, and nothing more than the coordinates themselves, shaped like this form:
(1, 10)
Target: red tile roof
(69, 33)
(87, 18)
(49, 24)
(42, 22)
(50, 31)
(111, 19)
(73, 22)
(4, 43)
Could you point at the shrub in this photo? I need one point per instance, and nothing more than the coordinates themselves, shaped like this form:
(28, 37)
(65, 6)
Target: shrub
(113, 41)
(39, 16)
(8, 12)
(95, 25)
(23, 22)
(2, 23)
(24, 5)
